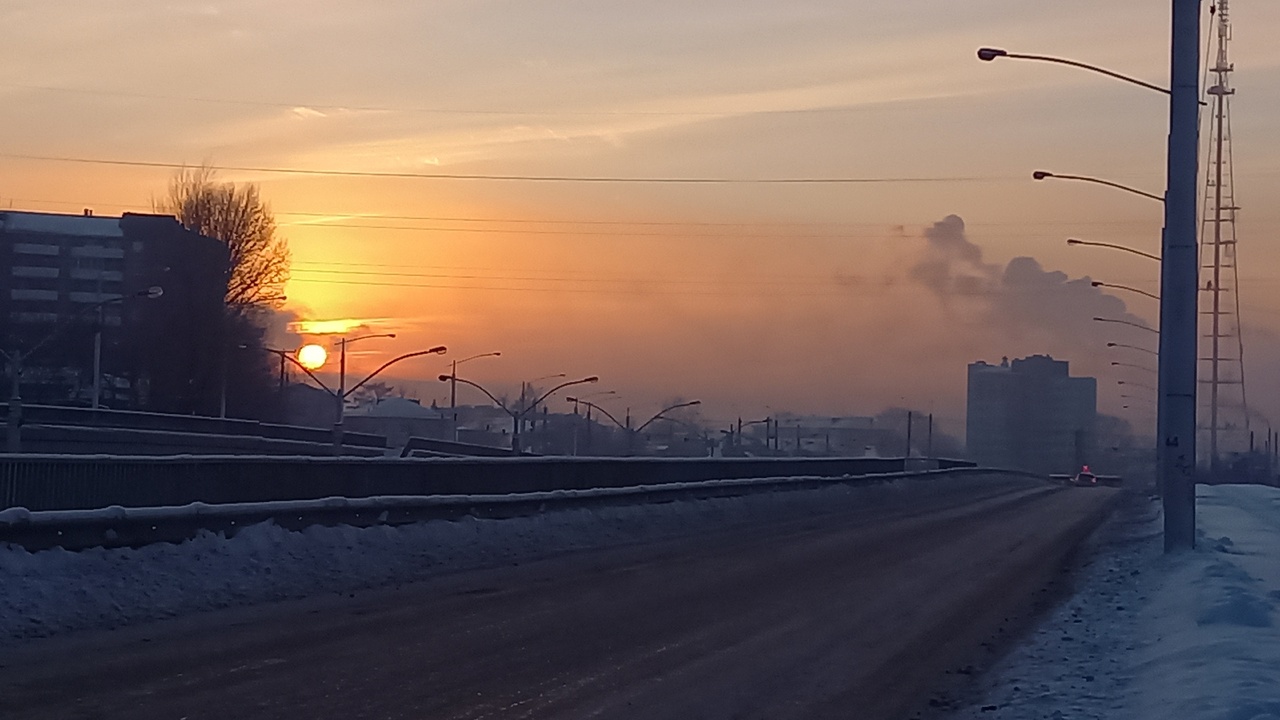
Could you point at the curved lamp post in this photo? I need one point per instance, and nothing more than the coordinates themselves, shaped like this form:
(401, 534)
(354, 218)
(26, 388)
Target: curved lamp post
(533, 406)
(1140, 385)
(1099, 284)
(1176, 411)
(14, 360)
(1124, 248)
(453, 387)
(1126, 322)
(342, 393)
(988, 54)
(1045, 175)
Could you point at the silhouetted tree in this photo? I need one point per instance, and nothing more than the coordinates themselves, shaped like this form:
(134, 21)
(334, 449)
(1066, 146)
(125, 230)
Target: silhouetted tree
(236, 215)
(235, 370)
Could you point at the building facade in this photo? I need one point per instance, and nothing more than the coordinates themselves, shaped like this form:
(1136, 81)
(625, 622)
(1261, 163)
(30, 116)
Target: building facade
(1031, 414)
(69, 287)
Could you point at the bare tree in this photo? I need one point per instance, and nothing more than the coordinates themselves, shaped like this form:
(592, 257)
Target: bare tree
(236, 215)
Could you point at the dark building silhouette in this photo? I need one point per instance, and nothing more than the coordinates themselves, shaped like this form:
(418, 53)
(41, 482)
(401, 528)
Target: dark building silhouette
(57, 270)
(1030, 414)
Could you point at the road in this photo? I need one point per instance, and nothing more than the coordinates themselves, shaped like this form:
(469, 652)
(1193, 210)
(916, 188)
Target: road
(851, 614)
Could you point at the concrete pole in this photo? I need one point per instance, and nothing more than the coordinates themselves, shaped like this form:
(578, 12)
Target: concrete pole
(13, 427)
(1179, 286)
(340, 399)
(97, 367)
(453, 397)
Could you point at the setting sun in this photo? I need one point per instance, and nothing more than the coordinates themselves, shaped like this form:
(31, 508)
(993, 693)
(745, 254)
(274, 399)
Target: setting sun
(312, 357)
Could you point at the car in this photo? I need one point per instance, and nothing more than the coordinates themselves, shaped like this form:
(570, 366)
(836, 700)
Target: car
(1084, 478)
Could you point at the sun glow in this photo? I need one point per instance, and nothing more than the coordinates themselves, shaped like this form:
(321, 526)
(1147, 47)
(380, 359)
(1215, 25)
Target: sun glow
(312, 356)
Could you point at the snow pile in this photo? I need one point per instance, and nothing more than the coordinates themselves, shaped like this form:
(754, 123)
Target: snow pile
(1214, 649)
(1149, 636)
(55, 590)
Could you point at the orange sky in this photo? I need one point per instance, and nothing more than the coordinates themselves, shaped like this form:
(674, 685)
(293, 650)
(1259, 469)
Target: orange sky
(751, 297)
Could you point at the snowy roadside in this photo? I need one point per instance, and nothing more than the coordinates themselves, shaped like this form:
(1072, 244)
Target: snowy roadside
(56, 591)
(1149, 636)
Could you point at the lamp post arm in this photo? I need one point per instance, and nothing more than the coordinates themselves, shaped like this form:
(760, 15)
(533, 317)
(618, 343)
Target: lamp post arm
(605, 412)
(1149, 256)
(1153, 296)
(1108, 183)
(495, 400)
(660, 413)
(1090, 68)
(552, 391)
(389, 363)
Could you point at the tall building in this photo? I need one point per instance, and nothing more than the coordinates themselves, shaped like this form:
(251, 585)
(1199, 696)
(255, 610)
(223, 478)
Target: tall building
(59, 278)
(1030, 414)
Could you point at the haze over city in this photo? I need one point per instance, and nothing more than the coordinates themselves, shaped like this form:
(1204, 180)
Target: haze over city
(830, 298)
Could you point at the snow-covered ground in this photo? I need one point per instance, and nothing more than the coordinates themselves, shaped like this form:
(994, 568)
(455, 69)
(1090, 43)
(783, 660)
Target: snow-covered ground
(56, 591)
(1149, 636)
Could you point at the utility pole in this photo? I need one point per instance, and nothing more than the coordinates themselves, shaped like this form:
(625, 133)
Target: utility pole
(453, 396)
(1179, 285)
(909, 417)
(929, 446)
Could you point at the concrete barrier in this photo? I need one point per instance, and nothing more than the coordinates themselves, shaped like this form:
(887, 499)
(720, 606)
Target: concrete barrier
(65, 482)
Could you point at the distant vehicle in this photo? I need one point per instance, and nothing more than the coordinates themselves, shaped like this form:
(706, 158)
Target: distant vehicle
(1088, 478)
(1084, 478)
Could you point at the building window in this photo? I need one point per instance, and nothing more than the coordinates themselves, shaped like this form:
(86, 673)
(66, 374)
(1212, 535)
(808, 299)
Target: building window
(33, 317)
(27, 294)
(35, 249)
(97, 251)
(34, 272)
(93, 274)
(90, 297)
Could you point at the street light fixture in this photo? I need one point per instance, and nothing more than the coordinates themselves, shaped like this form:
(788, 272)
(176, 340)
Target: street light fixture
(1149, 256)
(1045, 175)
(1140, 385)
(988, 54)
(1179, 274)
(1099, 284)
(1127, 322)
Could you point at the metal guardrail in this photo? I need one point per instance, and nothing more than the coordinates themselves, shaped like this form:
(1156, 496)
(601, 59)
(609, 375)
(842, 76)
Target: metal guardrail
(126, 527)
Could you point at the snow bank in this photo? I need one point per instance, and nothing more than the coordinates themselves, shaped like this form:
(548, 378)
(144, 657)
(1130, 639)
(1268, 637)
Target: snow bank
(56, 591)
(1213, 643)
(1149, 636)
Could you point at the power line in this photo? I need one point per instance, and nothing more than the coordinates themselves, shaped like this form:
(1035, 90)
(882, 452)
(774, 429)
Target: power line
(521, 178)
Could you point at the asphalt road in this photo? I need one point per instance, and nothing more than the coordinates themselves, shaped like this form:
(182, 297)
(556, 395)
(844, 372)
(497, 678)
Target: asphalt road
(846, 615)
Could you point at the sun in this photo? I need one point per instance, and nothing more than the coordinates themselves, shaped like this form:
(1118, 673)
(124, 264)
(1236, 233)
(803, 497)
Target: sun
(312, 356)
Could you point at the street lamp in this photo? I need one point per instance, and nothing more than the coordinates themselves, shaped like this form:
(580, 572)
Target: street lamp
(14, 360)
(1149, 256)
(989, 54)
(516, 415)
(1179, 272)
(1127, 322)
(1132, 347)
(1139, 385)
(1097, 283)
(453, 387)
(341, 394)
(1045, 175)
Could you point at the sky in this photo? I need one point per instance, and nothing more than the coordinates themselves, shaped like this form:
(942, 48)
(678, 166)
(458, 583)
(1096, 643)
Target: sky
(754, 297)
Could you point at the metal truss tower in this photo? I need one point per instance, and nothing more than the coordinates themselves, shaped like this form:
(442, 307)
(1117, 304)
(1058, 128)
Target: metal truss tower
(1224, 408)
